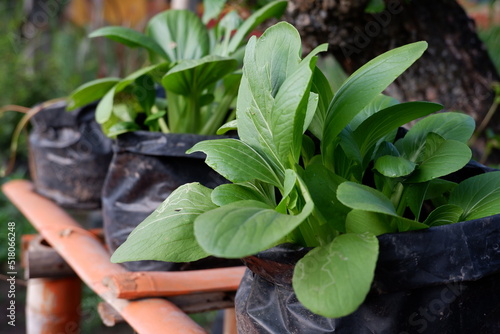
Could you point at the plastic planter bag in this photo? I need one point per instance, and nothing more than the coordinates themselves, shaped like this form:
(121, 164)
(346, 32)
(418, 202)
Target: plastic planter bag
(146, 168)
(444, 279)
(69, 156)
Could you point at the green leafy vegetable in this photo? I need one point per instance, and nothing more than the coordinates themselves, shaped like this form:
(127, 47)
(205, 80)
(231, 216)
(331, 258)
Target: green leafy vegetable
(195, 65)
(330, 172)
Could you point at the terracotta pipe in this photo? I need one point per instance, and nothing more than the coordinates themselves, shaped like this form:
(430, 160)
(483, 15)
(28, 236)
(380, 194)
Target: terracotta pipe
(84, 252)
(108, 314)
(133, 285)
(52, 305)
(229, 321)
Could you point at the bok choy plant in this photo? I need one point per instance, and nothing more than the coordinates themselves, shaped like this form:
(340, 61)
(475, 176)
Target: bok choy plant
(194, 65)
(321, 170)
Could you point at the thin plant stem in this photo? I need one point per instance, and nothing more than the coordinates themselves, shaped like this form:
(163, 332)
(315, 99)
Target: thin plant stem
(19, 128)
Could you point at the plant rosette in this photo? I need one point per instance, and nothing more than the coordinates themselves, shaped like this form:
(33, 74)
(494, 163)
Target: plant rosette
(193, 78)
(364, 182)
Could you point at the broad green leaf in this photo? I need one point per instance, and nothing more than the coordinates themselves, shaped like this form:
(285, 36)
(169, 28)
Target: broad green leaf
(440, 157)
(405, 224)
(90, 92)
(212, 9)
(229, 126)
(273, 9)
(385, 148)
(333, 280)
(236, 161)
(289, 196)
(153, 118)
(104, 109)
(235, 192)
(344, 165)
(253, 129)
(289, 112)
(180, 33)
(438, 187)
(191, 77)
(122, 127)
(449, 125)
(478, 196)
(145, 92)
(389, 119)
(273, 69)
(364, 85)
(308, 150)
(320, 86)
(229, 23)
(378, 103)
(124, 112)
(167, 234)
(391, 166)
(148, 83)
(109, 123)
(322, 185)
(416, 193)
(444, 215)
(131, 38)
(364, 198)
(361, 197)
(206, 99)
(268, 61)
(349, 145)
(245, 228)
(359, 221)
(312, 106)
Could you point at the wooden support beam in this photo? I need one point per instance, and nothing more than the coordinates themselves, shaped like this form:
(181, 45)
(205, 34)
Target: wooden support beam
(42, 261)
(204, 302)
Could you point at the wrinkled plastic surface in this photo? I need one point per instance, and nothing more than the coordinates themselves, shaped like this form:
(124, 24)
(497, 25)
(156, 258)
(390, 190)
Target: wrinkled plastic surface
(146, 168)
(69, 156)
(444, 279)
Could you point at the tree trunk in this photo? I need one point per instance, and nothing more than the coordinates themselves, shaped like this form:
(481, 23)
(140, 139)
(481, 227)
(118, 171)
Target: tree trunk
(456, 70)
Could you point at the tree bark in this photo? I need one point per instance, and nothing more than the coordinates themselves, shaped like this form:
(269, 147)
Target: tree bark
(456, 70)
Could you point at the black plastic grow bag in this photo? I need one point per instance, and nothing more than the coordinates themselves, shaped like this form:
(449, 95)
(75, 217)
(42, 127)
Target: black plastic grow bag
(69, 156)
(444, 279)
(146, 168)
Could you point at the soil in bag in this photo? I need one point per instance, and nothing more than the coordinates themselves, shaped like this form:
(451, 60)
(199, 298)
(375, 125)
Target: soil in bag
(69, 156)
